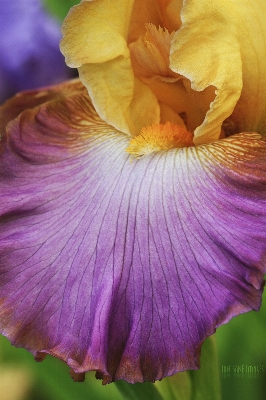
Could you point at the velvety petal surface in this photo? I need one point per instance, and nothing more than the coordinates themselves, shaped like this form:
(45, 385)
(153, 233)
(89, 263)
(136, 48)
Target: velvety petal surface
(117, 265)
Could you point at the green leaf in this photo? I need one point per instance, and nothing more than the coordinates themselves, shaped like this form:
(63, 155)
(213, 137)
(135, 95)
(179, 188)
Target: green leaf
(203, 384)
(206, 380)
(59, 8)
(176, 387)
(138, 391)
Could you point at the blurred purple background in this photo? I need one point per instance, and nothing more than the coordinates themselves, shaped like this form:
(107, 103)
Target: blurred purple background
(29, 48)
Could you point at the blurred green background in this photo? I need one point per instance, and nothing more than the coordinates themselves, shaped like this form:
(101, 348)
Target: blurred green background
(59, 8)
(240, 347)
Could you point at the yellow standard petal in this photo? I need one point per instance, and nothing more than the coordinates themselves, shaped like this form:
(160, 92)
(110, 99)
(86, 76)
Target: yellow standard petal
(197, 63)
(95, 32)
(222, 43)
(95, 41)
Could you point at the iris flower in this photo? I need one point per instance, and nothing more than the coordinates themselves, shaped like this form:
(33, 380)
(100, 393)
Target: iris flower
(133, 200)
(29, 48)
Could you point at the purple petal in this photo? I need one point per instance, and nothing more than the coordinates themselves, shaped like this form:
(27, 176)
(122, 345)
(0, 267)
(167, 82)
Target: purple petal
(120, 266)
(29, 47)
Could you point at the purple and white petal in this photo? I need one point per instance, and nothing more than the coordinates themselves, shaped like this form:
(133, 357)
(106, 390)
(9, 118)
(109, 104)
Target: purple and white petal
(124, 266)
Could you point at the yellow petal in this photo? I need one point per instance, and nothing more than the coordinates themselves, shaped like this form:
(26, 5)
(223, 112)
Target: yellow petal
(164, 13)
(96, 31)
(119, 98)
(150, 53)
(222, 44)
(94, 40)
